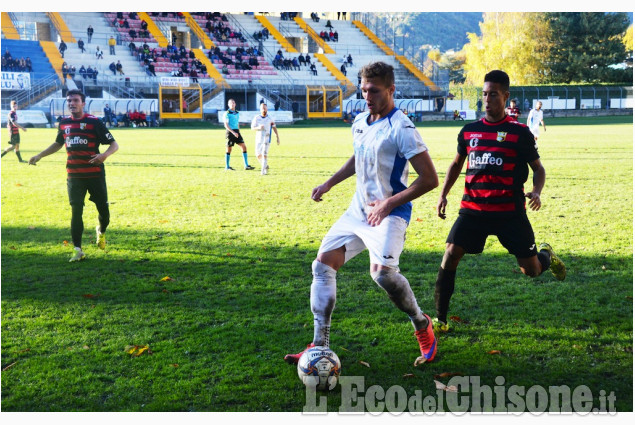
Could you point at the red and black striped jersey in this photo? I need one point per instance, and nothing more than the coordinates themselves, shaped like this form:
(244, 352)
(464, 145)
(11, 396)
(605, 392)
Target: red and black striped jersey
(497, 157)
(513, 112)
(82, 138)
(13, 119)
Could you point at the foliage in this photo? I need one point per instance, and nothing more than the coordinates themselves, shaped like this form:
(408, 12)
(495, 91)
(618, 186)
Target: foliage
(628, 40)
(454, 63)
(204, 284)
(516, 42)
(584, 44)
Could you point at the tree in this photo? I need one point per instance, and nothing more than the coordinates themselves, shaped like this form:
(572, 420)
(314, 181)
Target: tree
(628, 40)
(517, 43)
(585, 44)
(454, 62)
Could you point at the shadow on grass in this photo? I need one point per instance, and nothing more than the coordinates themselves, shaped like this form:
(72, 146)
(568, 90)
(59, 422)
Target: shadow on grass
(228, 313)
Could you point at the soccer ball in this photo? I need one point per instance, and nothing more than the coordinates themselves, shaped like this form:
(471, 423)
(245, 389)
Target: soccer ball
(319, 368)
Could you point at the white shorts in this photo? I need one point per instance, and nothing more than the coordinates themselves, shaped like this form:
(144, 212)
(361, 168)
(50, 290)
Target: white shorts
(262, 148)
(535, 131)
(384, 242)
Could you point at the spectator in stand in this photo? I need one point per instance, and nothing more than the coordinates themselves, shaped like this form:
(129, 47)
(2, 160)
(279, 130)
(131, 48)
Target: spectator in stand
(62, 48)
(132, 15)
(328, 24)
(90, 72)
(331, 36)
(144, 25)
(133, 117)
(151, 69)
(349, 59)
(120, 68)
(82, 72)
(64, 70)
(194, 75)
(307, 59)
(132, 33)
(80, 45)
(99, 54)
(119, 15)
(295, 64)
(112, 43)
(71, 71)
(335, 36)
(315, 17)
(89, 32)
(29, 65)
(313, 69)
(125, 24)
(343, 69)
(224, 70)
(132, 47)
(112, 67)
(301, 60)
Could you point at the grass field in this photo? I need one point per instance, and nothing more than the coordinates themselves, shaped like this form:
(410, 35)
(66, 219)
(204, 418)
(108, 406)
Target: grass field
(237, 248)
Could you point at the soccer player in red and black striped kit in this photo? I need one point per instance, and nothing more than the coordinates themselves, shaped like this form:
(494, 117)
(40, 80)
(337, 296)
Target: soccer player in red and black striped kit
(82, 134)
(498, 150)
(14, 131)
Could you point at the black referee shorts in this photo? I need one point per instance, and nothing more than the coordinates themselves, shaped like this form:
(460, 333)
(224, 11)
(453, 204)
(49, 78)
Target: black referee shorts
(95, 186)
(515, 234)
(232, 140)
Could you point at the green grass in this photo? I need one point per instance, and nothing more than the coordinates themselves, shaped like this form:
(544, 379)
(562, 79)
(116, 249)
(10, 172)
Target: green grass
(238, 248)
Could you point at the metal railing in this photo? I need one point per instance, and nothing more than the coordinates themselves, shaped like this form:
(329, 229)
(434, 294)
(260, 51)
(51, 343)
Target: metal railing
(39, 89)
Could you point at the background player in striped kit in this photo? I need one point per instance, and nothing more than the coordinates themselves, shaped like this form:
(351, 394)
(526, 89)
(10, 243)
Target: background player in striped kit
(498, 149)
(264, 124)
(384, 141)
(14, 131)
(82, 134)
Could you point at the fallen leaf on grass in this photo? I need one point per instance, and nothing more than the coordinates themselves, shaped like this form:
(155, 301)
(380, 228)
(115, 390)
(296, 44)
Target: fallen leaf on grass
(174, 365)
(86, 347)
(443, 387)
(137, 350)
(213, 194)
(408, 375)
(166, 279)
(364, 364)
(447, 375)
(32, 227)
(18, 184)
(419, 219)
(229, 254)
(494, 352)
(457, 319)
(163, 221)
(90, 295)
(11, 365)
(25, 350)
(65, 243)
(12, 247)
(345, 349)
(603, 267)
(165, 291)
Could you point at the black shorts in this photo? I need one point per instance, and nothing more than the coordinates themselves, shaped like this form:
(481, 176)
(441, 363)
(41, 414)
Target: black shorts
(232, 140)
(15, 139)
(96, 187)
(515, 233)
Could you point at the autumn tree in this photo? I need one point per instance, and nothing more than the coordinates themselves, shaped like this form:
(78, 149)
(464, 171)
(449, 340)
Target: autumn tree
(515, 42)
(585, 44)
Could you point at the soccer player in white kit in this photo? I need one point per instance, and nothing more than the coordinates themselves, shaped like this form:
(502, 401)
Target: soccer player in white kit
(534, 119)
(384, 140)
(263, 124)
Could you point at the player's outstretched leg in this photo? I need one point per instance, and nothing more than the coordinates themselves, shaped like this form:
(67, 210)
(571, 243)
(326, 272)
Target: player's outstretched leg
(77, 228)
(400, 293)
(443, 290)
(323, 291)
(265, 166)
(556, 265)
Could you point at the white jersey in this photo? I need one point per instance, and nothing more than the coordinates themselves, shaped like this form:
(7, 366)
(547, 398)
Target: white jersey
(262, 136)
(382, 151)
(534, 119)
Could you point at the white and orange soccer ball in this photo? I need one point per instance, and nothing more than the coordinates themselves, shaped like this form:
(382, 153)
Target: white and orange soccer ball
(319, 368)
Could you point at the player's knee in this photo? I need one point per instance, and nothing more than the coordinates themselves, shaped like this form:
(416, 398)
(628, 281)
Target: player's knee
(452, 256)
(388, 279)
(320, 269)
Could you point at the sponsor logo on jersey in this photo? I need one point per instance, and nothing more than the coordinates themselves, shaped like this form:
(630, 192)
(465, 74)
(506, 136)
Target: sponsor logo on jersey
(70, 141)
(473, 142)
(484, 160)
(500, 137)
(359, 130)
(82, 126)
